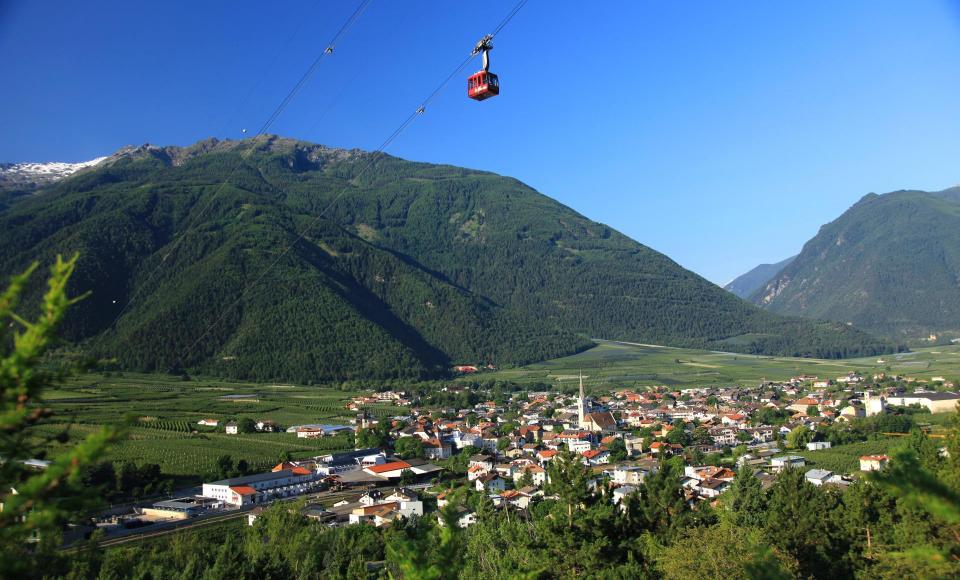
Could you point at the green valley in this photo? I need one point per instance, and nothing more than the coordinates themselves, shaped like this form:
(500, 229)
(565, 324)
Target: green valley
(631, 365)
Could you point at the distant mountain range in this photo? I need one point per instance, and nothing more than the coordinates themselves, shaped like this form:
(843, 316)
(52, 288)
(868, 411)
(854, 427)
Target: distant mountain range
(396, 269)
(19, 179)
(29, 176)
(746, 284)
(890, 265)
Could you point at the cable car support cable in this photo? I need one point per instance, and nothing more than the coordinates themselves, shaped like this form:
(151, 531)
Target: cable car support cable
(373, 158)
(274, 115)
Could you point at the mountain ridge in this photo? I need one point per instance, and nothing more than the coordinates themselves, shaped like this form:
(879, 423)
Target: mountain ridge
(747, 283)
(889, 264)
(414, 267)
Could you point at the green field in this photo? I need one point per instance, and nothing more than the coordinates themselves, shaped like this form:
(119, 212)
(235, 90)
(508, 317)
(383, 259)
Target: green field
(165, 411)
(846, 458)
(617, 364)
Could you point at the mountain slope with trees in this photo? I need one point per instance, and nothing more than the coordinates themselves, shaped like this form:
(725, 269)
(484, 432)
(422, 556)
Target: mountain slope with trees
(890, 265)
(403, 269)
(746, 284)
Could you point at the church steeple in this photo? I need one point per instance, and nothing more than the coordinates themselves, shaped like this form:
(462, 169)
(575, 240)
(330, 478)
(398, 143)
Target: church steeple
(581, 405)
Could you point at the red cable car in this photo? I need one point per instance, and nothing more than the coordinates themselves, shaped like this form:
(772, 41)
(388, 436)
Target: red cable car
(483, 84)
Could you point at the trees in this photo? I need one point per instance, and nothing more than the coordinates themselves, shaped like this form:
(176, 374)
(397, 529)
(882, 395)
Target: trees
(723, 551)
(246, 425)
(662, 509)
(526, 479)
(797, 522)
(618, 450)
(567, 478)
(36, 503)
(678, 436)
(747, 500)
(225, 466)
(376, 436)
(701, 436)
(408, 447)
(798, 437)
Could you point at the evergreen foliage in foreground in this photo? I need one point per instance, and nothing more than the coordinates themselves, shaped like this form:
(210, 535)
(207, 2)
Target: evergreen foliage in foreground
(403, 269)
(36, 503)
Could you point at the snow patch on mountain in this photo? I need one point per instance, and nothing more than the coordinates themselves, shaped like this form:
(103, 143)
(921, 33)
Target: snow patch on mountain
(54, 169)
(27, 177)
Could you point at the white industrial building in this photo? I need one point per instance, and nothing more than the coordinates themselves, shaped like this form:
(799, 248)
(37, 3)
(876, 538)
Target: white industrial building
(252, 489)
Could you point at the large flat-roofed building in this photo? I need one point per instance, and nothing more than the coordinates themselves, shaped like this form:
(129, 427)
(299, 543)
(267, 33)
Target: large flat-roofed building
(349, 461)
(936, 402)
(176, 509)
(251, 489)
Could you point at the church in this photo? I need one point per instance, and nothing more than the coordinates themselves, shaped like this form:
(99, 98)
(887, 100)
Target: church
(602, 421)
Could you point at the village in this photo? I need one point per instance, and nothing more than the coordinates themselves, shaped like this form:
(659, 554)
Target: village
(408, 465)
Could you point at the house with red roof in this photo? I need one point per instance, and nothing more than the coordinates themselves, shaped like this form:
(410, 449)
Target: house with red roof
(596, 457)
(874, 462)
(393, 469)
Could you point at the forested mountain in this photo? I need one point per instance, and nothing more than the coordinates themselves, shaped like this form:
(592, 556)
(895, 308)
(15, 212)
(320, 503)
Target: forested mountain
(890, 264)
(746, 284)
(404, 269)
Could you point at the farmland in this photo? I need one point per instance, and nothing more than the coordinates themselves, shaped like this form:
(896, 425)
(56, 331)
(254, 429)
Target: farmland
(846, 458)
(622, 364)
(163, 411)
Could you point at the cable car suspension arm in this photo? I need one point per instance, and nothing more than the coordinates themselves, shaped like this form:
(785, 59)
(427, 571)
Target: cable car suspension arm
(483, 46)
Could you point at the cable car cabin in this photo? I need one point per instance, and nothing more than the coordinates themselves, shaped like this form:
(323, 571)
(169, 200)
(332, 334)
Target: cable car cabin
(483, 85)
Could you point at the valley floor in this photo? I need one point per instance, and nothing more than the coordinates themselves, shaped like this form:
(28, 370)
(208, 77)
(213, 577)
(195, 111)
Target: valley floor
(621, 364)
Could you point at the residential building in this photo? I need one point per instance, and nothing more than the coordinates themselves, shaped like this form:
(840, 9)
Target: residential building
(873, 462)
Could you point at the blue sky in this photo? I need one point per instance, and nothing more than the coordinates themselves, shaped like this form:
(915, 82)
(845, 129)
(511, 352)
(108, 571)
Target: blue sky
(720, 133)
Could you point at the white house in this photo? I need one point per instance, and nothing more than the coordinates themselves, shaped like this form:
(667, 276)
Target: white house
(465, 520)
(408, 502)
(712, 487)
(388, 470)
(578, 445)
(629, 475)
(537, 474)
(490, 482)
(819, 477)
(436, 449)
(785, 461)
(232, 428)
(596, 456)
(873, 462)
(623, 491)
